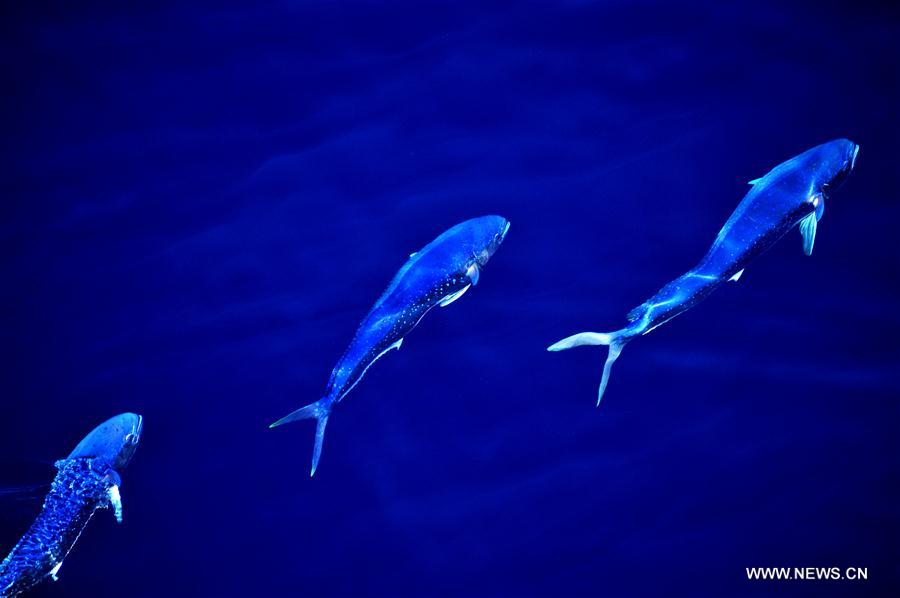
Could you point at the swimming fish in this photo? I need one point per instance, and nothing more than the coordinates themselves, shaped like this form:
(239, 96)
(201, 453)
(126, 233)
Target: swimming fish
(792, 193)
(87, 480)
(438, 274)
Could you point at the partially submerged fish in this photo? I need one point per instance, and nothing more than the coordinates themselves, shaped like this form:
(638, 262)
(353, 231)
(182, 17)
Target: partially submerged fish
(792, 193)
(88, 480)
(438, 274)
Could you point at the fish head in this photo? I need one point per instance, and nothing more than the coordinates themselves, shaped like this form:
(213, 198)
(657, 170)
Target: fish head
(488, 233)
(836, 159)
(114, 441)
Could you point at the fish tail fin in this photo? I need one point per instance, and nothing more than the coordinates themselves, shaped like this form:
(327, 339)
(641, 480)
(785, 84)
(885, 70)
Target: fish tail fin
(614, 340)
(320, 410)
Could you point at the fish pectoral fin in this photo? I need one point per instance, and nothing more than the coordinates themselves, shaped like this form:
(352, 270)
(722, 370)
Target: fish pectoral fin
(54, 571)
(754, 181)
(472, 272)
(454, 296)
(808, 232)
(413, 254)
(737, 276)
(820, 208)
(115, 501)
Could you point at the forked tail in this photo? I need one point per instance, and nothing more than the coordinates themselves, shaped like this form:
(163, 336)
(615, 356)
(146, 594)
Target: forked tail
(320, 410)
(615, 340)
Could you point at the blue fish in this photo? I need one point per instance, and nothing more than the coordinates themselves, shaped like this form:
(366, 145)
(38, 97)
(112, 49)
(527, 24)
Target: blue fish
(87, 480)
(438, 274)
(793, 193)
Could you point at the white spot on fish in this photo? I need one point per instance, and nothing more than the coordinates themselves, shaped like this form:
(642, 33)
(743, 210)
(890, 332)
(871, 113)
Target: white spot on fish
(115, 499)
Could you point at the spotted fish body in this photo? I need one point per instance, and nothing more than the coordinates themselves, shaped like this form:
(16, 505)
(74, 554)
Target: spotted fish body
(791, 194)
(86, 481)
(438, 274)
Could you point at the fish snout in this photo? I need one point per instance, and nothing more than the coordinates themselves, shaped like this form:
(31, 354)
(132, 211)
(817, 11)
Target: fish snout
(499, 235)
(846, 152)
(114, 441)
(838, 158)
(505, 230)
(134, 436)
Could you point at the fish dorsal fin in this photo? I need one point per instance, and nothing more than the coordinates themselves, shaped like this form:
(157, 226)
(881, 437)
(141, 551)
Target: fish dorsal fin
(454, 296)
(737, 276)
(808, 232)
(473, 273)
(755, 181)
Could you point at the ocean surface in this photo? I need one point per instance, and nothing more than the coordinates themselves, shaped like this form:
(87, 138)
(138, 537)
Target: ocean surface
(200, 203)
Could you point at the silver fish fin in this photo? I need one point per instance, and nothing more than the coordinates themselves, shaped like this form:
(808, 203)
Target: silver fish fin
(737, 276)
(413, 254)
(615, 349)
(472, 272)
(754, 181)
(820, 208)
(115, 501)
(808, 232)
(320, 410)
(454, 296)
(54, 571)
(615, 340)
(580, 340)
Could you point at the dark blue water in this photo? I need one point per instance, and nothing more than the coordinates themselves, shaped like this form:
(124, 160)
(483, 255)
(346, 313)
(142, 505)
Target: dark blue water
(200, 204)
